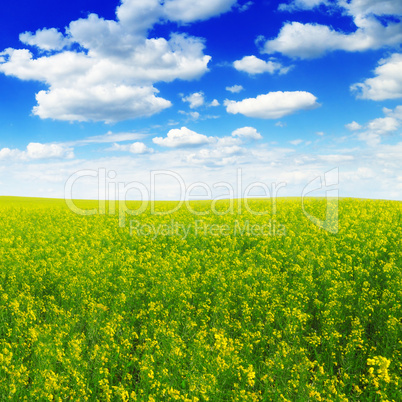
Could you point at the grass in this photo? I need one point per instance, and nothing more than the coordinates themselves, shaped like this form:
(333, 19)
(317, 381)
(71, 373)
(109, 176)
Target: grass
(231, 307)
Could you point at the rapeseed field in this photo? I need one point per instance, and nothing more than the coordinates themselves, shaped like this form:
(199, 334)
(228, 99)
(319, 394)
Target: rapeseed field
(193, 307)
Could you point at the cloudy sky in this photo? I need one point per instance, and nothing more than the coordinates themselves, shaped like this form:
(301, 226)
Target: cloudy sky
(277, 92)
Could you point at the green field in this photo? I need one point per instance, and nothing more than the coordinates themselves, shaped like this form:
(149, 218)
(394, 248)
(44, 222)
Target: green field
(200, 307)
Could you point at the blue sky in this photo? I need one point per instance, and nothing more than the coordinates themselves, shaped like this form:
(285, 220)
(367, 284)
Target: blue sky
(281, 91)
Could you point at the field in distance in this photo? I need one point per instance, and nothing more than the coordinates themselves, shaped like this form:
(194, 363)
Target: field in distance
(226, 301)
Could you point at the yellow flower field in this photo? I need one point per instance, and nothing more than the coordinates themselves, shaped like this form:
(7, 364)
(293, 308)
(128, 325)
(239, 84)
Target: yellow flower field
(201, 307)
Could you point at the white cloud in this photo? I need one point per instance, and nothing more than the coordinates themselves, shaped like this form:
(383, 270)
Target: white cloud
(248, 133)
(353, 126)
(254, 65)
(109, 137)
(245, 6)
(115, 66)
(217, 157)
(214, 103)
(140, 148)
(296, 142)
(219, 142)
(383, 125)
(7, 153)
(45, 39)
(301, 5)
(371, 139)
(193, 115)
(103, 38)
(235, 89)
(375, 129)
(194, 10)
(182, 137)
(336, 158)
(195, 100)
(397, 112)
(140, 16)
(388, 81)
(60, 69)
(376, 7)
(313, 40)
(273, 105)
(137, 148)
(151, 61)
(221, 151)
(217, 162)
(137, 17)
(227, 145)
(99, 103)
(36, 151)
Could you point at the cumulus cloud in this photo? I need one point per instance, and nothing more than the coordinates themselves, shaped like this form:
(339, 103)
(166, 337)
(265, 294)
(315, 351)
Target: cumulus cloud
(183, 137)
(375, 129)
(153, 60)
(214, 103)
(301, 5)
(36, 151)
(45, 39)
(212, 146)
(304, 40)
(397, 112)
(226, 141)
(387, 84)
(94, 51)
(311, 40)
(217, 157)
(221, 151)
(140, 16)
(248, 133)
(254, 65)
(273, 105)
(195, 100)
(234, 89)
(138, 148)
(194, 10)
(353, 126)
(371, 139)
(107, 103)
(137, 17)
(211, 151)
(220, 159)
(383, 125)
(376, 7)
